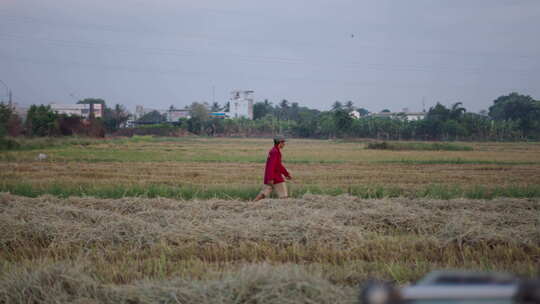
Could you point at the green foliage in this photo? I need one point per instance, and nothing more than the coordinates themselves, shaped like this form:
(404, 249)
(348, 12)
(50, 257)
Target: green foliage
(114, 118)
(362, 111)
(187, 192)
(8, 144)
(10, 122)
(39, 143)
(441, 123)
(513, 106)
(153, 117)
(41, 121)
(522, 109)
(343, 121)
(512, 117)
(199, 118)
(5, 114)
(215, 107)
(261, 109)
(438, 113)
(337, 105)
(401, 146)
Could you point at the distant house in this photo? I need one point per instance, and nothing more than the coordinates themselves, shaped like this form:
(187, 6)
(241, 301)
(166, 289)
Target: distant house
(82, 110)
(173, 115)
(408, 116)
(384, 115)
(415, 115)
(241, 104)
(355, 114)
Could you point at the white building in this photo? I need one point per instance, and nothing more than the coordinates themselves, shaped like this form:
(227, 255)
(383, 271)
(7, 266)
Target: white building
(409, 116)
(82, 110)
(355, 114)
(241, 104)
(173, 115)
(415, 115)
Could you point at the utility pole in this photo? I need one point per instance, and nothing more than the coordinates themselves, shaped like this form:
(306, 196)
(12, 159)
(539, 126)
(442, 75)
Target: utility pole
(9, 94)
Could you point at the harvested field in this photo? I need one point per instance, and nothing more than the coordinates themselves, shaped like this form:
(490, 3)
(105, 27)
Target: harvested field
(250, 284)
(231, 168)
(169, 220)
(336, 222)
(200, 250)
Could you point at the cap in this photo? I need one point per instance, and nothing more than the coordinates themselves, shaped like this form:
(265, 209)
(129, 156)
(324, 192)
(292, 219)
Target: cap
(279, 139)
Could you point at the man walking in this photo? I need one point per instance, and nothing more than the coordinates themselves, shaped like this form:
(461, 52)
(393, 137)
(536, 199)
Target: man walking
(274, 171)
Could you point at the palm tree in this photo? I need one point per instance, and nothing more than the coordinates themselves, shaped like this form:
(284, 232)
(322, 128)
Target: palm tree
(349, 106)
(216, 107)
(337, 106)
(284, 111)
(457, 111)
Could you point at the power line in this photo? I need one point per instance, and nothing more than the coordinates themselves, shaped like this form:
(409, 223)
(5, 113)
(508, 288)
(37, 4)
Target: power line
(353, 66)
(160, 71)
(31, 20)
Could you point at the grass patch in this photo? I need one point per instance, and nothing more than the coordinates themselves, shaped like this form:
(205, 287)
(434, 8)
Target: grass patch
(8, 144)
(454, 161)
(25, 144)
(417, 146)
(119, 191)
(247, 193)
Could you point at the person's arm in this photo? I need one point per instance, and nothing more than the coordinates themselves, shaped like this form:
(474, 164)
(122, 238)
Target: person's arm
(270, 168)
(284, 171)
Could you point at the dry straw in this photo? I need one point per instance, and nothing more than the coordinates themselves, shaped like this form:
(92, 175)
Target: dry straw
(339, 222)
(105, 246)
(264, 284)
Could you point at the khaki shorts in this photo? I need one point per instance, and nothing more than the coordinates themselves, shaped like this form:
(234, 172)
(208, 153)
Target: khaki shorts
(280, 189)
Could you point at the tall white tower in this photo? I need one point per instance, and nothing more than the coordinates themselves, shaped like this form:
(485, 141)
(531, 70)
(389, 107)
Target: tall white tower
(241, 104)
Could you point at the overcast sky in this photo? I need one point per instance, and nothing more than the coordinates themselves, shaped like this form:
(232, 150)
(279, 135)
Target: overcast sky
(379, 54)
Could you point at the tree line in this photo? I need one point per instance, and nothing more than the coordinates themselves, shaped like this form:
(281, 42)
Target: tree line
(42, 120)
(510, 117)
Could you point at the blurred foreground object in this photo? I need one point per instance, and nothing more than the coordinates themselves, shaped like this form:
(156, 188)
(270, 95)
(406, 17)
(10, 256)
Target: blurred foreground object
(452, 287)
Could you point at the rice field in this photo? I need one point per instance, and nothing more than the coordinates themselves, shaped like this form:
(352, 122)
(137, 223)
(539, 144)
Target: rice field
(169, 220)
(186, 168)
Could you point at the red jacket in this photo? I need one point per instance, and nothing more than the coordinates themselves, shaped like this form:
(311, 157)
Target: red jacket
(274, 168)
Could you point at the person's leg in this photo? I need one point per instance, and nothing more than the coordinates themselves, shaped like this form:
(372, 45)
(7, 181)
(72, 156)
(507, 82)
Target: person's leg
(265, 192)
(281, 190)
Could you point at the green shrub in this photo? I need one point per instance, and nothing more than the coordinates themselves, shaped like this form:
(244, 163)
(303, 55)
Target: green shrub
(415, 146)
(8, 144)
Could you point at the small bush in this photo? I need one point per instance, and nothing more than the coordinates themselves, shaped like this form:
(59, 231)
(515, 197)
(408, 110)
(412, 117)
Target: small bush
(402, 146)
(8, 144)
(378, 146)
